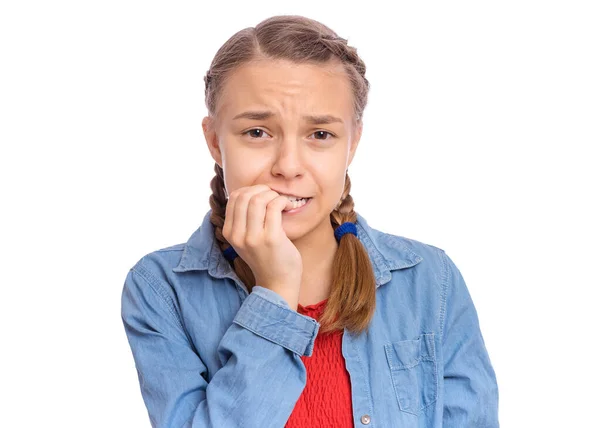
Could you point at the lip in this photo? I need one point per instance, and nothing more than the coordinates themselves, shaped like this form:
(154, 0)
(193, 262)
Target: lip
(297, 210)
(282, 193)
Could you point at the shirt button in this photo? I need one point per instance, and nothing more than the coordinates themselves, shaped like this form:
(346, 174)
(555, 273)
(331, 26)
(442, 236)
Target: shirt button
(365, 419)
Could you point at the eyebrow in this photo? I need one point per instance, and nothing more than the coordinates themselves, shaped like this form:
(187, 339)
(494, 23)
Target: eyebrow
(314, 120)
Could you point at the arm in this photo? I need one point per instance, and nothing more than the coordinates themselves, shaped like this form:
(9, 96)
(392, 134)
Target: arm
(261, 377)
(470, 388)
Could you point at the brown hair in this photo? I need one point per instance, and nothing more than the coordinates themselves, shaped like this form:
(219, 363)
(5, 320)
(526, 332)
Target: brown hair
(352, 301)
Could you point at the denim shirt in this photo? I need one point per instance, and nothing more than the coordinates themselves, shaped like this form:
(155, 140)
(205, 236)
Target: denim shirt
(210, 354)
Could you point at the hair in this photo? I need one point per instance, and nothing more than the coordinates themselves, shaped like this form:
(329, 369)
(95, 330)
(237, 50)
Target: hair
(351, 304)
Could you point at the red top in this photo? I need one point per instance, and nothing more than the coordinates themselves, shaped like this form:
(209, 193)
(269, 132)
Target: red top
(326, 401)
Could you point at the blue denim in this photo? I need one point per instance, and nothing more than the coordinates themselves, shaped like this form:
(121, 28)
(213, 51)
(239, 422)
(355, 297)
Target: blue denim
(210, 354)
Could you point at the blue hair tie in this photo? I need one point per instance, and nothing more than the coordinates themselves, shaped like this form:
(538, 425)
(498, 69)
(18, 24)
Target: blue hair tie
(230, 254)
(344, 228)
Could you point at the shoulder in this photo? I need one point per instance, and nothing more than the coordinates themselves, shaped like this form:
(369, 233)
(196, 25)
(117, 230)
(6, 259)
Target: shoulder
(160, 261)
(423, 249)
(424, 265)
(435, 269)
(400, 251)
(154, 269)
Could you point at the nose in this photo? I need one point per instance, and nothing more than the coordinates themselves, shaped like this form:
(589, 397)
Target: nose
(288, 161)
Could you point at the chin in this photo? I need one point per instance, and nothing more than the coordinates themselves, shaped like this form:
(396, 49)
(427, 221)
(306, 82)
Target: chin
(294, 230)
(298, 228)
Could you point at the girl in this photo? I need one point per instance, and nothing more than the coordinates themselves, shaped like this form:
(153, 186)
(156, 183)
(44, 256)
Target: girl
(285, 308)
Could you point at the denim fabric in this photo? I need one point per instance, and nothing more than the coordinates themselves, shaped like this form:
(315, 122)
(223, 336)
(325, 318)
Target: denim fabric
(209, 354)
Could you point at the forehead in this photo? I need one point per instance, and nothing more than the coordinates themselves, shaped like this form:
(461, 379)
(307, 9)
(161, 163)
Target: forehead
(284, 85)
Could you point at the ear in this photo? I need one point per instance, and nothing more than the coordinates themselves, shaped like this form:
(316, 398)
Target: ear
(355, 141)
(212, 140)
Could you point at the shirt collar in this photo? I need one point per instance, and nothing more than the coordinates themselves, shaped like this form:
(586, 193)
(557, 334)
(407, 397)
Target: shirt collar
(387, 252)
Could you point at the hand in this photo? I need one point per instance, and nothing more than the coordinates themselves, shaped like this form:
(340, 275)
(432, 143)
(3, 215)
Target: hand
(253, 227)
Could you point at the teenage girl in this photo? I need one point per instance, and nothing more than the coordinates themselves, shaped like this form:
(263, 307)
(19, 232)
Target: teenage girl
(285, 308)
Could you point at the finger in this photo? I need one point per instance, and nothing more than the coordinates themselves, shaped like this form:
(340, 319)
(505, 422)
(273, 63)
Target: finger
(273, 217)
(229, 216)
(242, 198)
(257, 208)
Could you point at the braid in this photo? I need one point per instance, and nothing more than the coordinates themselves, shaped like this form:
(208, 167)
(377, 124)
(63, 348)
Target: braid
(344, 211)
(218, 202)
(348, 54)
(207, 79)
(351, 302)
(355, 67)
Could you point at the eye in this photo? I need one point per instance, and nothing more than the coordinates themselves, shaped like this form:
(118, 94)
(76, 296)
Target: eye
(322, 135)
(255, 133)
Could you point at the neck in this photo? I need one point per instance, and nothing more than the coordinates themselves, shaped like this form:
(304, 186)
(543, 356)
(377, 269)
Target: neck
(317, 249)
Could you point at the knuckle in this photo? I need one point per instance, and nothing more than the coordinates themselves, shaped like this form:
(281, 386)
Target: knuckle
(256, 201)
(244, 198)
(236, 239)
(252, 241)
(272, 204)
(225, 231)
(269, 240)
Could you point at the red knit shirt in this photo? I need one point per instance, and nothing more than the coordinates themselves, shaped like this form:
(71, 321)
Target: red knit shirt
(326, 401)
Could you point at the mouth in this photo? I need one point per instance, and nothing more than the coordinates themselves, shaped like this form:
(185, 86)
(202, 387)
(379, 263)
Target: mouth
(296, 201)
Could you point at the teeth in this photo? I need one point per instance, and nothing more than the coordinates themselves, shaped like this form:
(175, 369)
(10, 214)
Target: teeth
(297, 203)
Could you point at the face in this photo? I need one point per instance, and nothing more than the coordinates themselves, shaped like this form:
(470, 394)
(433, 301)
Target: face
(291, 127)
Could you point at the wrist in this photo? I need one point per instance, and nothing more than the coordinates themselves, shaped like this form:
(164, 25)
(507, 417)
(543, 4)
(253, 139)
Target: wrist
(290, 296)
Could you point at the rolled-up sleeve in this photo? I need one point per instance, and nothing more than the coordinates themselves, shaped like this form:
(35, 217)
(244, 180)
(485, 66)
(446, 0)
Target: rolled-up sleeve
(470, 387)
(261, 377)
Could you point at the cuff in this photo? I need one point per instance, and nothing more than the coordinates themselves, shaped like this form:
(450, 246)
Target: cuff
(267, 314)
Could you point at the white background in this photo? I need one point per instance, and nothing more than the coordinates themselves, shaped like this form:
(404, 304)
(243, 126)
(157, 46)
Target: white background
(481, 138)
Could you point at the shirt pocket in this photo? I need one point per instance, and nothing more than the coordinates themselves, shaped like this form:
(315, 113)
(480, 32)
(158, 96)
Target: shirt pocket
(413, 368)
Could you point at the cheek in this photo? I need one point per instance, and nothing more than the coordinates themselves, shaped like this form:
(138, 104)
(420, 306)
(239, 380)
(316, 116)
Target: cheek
(333, 181)
(241, 168)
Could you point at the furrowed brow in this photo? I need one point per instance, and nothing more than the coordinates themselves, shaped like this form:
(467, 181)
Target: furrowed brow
(313, 120)
(254, 115)
(322, 119)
